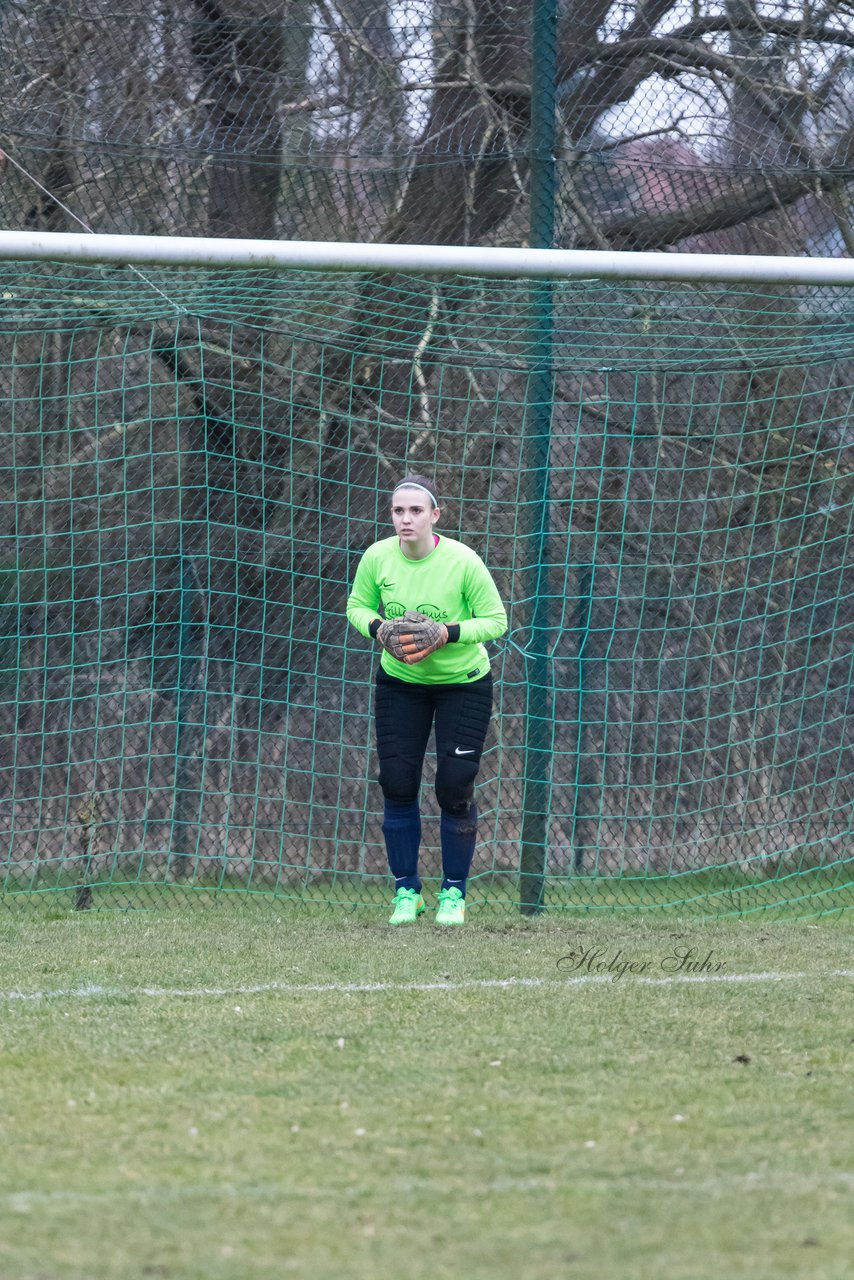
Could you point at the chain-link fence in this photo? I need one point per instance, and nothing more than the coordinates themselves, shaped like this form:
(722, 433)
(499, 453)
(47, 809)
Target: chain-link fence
(194, 461)
(189, 492)
(728, 125)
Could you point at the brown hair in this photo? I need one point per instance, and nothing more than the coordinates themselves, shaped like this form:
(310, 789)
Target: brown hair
(420, 482)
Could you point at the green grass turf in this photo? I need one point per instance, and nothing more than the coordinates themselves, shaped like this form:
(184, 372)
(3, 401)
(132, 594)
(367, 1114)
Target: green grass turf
(525, 1131)
(797, 893)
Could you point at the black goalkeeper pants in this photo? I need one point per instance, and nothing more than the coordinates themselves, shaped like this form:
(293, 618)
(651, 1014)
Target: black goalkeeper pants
(405, 714)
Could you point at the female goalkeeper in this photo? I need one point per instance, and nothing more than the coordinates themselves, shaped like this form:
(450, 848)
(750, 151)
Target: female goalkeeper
(439, 604)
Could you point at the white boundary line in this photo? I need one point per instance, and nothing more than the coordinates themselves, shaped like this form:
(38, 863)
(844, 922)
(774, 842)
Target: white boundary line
(92, 992)
(781, 1182)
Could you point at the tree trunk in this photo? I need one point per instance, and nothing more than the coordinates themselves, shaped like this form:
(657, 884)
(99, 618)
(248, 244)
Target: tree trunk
(241, 59)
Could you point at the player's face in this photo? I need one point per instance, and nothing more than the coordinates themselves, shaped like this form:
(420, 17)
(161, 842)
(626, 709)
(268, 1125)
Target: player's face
(413, 516)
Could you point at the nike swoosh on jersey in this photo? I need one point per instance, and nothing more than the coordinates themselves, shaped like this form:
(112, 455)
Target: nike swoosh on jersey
(468, 752)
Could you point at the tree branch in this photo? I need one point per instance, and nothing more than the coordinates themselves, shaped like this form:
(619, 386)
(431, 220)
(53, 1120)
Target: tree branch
(815, 33)
(719, 201)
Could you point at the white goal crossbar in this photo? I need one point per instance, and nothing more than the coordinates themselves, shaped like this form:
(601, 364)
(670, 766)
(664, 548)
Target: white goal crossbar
(417, 259)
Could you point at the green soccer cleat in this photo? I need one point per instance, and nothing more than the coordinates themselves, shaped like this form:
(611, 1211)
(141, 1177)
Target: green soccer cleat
(452, 907)
(408, 906)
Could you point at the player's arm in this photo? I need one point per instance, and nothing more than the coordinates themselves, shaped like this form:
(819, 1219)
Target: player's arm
(364, 599)
(490, 616)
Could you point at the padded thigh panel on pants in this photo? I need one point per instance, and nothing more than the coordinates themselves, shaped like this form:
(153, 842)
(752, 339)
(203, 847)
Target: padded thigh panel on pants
(399, 779)
(403, 719)
(462, 719)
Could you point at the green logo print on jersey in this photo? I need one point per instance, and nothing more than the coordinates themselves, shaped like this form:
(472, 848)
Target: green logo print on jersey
(432, 611)
(393, 609)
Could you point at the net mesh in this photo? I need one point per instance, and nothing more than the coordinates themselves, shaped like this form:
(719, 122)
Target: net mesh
(194, 462)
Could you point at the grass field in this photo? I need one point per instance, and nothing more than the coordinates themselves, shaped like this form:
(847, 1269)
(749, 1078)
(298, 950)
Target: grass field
(232, 1093)
(799, 892)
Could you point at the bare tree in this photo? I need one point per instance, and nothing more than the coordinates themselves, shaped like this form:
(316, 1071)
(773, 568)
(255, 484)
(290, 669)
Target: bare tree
(232, 447)
(181, 119)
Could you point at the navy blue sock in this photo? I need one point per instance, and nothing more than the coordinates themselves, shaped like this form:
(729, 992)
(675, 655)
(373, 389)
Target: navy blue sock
(458, 837)
(454, 884)
(402, 831)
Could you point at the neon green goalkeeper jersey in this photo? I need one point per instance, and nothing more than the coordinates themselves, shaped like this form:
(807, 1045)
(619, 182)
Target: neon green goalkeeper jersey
(452, 585)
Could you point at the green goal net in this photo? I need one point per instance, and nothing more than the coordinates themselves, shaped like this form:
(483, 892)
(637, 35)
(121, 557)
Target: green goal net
(659, 476)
